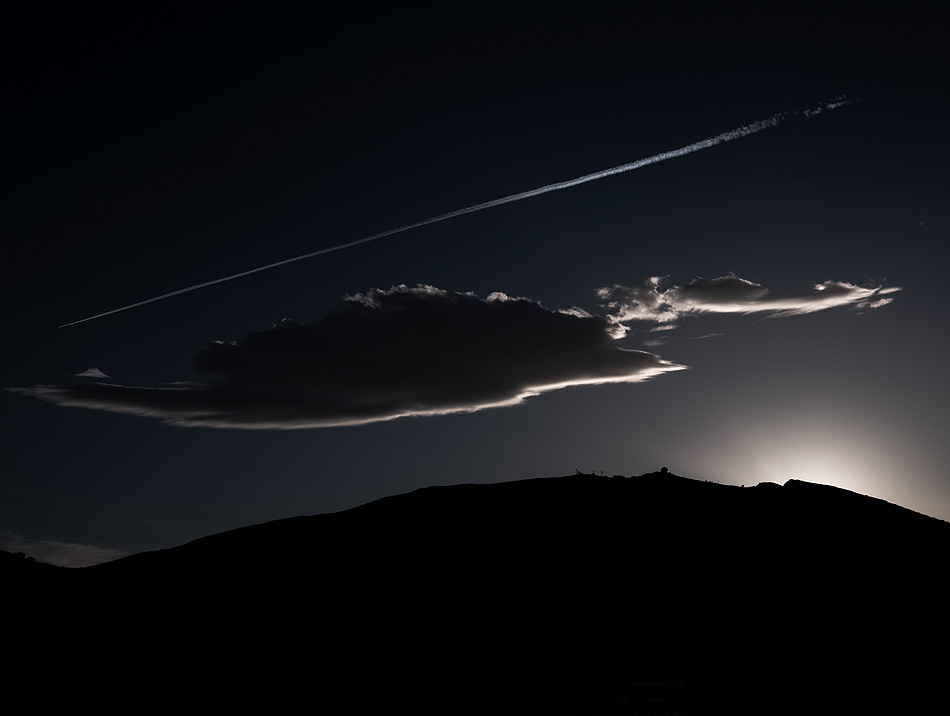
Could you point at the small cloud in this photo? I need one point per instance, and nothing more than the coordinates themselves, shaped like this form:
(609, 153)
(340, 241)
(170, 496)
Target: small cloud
(387, 354)
(91, 373)
(381, 355)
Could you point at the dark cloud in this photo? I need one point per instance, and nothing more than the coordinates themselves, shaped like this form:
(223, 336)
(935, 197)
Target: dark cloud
(382, 355)
(649, 301)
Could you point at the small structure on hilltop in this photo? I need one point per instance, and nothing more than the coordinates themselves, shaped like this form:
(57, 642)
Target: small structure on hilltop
(664, 471)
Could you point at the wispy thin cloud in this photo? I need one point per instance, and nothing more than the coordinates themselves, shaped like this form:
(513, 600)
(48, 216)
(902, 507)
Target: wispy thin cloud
(649, 300)
(63, 554)
(705, 336)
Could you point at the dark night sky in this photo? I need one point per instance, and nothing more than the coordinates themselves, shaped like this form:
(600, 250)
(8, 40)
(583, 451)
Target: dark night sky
(146, 151)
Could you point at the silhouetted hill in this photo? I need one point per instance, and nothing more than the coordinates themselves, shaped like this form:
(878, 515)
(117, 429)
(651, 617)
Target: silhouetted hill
(491, 598)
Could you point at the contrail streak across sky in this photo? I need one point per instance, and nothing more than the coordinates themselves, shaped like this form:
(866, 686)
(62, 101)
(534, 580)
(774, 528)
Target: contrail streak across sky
(738, 133)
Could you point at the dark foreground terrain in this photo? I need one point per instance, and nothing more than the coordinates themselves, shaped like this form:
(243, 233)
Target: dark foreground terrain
(571, 595)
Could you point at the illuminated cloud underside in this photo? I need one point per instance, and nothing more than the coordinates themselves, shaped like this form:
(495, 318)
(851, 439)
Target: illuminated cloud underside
(379, 356)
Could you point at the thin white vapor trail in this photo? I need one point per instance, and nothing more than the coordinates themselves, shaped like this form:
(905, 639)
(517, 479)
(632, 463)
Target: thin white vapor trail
(738, 133)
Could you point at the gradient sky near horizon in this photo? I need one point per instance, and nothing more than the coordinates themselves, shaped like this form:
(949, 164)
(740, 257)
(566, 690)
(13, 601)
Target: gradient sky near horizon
(766, 309)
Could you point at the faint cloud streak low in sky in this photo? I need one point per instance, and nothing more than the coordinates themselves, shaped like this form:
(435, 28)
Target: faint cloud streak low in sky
(62, 554)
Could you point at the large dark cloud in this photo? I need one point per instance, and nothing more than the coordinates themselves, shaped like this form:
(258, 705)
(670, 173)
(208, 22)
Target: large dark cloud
(383, 355)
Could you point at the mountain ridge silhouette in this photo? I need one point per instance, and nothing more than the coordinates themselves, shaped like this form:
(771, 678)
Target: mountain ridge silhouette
(450, 596)
(656, 485)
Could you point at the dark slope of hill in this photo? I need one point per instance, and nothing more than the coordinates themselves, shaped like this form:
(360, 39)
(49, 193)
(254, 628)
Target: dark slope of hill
(450, 597)
(665, 511)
